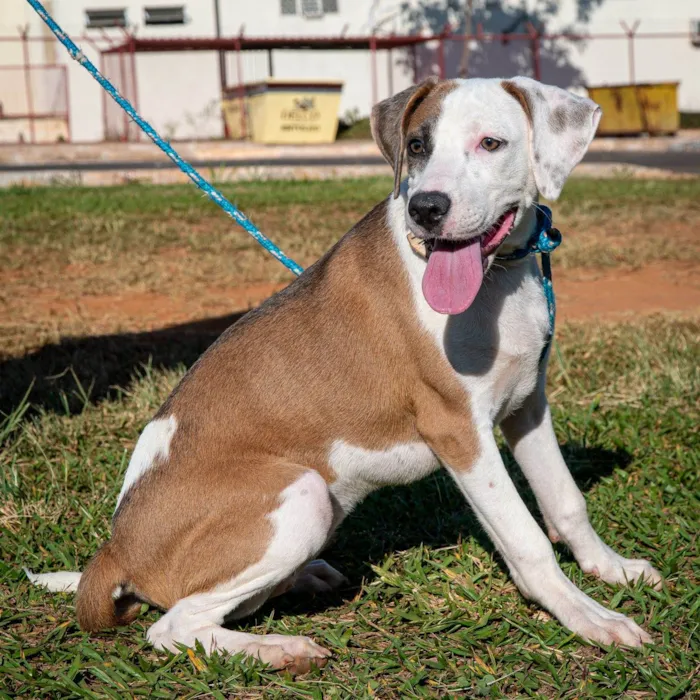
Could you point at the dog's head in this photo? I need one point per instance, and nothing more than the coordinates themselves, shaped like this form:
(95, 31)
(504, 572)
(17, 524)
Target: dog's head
(478, 152)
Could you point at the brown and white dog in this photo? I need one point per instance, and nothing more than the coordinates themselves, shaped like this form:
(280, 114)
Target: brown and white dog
(375, 367)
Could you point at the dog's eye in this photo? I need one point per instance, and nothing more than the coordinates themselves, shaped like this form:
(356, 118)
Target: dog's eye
(416, 146)
(490, 144)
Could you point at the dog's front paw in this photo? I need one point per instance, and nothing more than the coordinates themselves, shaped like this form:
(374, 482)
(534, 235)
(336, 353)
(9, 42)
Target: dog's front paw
(615, 569)
(593, 622)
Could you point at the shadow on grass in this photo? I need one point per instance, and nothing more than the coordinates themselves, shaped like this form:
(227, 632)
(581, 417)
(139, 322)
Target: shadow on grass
(89, 369)
(431, 512)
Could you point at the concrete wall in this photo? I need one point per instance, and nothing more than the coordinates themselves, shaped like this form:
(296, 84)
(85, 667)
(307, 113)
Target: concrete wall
(178, 92)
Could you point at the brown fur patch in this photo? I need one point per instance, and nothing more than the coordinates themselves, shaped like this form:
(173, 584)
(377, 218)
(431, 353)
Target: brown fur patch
(520, 95)
(428, 110)
(338, 355)
(388, 124)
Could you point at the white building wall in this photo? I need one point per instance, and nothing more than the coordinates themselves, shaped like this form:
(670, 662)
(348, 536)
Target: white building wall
(179, 92)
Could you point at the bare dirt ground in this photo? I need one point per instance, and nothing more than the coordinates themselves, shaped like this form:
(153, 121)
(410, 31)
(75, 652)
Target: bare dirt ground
(89, 262)
(582, 293)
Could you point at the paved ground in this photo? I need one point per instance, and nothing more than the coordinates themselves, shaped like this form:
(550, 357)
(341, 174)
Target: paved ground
(674, 161)
(115, 163)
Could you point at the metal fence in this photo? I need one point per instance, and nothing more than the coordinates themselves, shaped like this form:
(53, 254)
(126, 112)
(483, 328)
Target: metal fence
(34, 98)
(34, 86)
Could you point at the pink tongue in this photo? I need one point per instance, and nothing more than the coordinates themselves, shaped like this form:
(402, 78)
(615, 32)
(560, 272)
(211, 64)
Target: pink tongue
(453, 276)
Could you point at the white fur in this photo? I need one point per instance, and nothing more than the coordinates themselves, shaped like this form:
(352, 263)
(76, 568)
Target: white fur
(152, 445)
(302, 524)
(481, 185)
(557, 150)
(59, 582)
(360, 471)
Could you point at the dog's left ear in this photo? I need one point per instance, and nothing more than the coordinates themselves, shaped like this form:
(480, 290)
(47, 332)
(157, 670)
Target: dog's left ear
(389, 121)
(562, 128)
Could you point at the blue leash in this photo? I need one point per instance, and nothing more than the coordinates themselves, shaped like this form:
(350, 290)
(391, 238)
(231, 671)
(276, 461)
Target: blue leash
(211, 192)
(544, 240)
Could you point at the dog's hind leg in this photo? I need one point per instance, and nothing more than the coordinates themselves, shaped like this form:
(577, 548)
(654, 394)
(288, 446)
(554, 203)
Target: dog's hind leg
(302, 525)
(531, 437)
(318, 576)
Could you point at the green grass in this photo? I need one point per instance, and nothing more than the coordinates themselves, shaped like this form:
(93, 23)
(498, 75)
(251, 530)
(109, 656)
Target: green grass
(690, 120)
(429, 611)
(357, 130)
(76, 224)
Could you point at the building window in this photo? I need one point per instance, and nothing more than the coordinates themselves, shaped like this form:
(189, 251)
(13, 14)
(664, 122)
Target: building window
(312, 8)
(288, 7)
(100, 19)
(174, 14)
(330, 7)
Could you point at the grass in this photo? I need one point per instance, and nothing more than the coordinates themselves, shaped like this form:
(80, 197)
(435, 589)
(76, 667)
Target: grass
(125, 226)
(62, 245)
(357, 130)
(690, 120)
(429, 611)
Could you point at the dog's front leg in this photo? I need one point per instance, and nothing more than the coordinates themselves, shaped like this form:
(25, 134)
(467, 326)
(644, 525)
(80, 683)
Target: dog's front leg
(530, 435)
(528, 553)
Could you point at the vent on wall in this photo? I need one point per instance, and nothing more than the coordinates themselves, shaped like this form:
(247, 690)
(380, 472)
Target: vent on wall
(309, 8)
(312, 8)
(695, 32)
(174, 14)
(101, 19)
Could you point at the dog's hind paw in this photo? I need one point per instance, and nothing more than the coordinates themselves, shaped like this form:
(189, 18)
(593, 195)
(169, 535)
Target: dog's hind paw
(318, 577)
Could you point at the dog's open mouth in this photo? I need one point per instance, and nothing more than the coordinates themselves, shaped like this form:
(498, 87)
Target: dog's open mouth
(455, 269)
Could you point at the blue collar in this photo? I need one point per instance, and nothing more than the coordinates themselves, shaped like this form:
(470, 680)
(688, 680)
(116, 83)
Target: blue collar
(543, 241)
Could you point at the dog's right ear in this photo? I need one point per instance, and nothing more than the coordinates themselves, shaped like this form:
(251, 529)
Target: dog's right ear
(389, 121)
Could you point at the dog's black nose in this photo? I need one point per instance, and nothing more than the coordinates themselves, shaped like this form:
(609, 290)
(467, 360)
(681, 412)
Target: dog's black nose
(428, 209)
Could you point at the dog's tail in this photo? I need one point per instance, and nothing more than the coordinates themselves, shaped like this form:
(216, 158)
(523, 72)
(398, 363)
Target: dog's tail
(102, 600)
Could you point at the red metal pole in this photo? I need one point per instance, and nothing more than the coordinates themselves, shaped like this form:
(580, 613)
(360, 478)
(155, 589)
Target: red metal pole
(441, 52)
(134, 86)
(630, 48)
(241, 90)
(67, 93)
(535, 48)
(105, 129)
(373, 49)
(122, 83)
(28, 84)
(390, 71)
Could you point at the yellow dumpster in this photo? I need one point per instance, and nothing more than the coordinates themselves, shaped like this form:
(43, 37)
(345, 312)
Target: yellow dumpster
(283, 111)
(637, 109)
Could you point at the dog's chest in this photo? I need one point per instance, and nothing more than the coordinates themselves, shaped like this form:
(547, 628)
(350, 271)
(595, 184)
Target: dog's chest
(496, 345)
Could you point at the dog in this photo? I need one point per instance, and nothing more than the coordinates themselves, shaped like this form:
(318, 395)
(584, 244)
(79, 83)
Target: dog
(377, 366)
